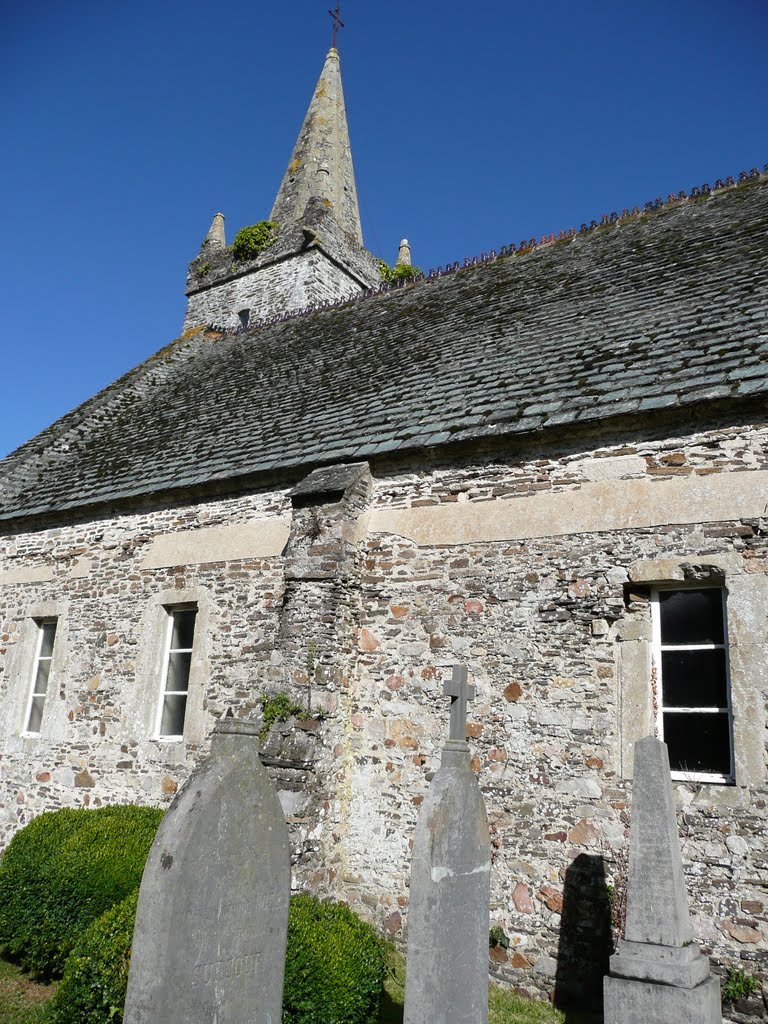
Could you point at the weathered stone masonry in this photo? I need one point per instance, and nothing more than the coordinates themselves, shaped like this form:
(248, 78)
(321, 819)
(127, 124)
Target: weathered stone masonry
(362, 623)
(494, 466)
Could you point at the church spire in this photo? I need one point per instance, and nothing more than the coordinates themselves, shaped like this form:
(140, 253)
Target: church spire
(321, 163)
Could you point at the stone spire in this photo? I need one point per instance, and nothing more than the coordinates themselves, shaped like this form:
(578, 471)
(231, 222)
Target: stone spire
(321, 164)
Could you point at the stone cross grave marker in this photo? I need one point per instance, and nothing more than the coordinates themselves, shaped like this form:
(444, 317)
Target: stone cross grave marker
(449, 913)
(658, 973)
(212, 922)
(460, 692)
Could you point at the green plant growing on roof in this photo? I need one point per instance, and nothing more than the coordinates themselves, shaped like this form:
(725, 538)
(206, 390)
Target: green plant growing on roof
(254, 239)
(400, 272)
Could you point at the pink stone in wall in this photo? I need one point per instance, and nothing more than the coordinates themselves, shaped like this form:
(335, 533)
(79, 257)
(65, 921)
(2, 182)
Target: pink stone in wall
(552, 898)
(393, 923)
(474, 607)
(580, 588)
(394, 682)
(368, 641)
(742, 932)
(513, 692)
(584, 833)
(521, 897)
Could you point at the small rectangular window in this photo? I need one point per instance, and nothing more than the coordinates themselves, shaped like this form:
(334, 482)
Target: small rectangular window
(690, 647)
(177, 662)
(41, 671)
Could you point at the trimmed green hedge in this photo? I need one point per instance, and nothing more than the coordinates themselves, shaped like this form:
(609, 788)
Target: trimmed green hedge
(62, 871)
(334, 969)
(95, 976)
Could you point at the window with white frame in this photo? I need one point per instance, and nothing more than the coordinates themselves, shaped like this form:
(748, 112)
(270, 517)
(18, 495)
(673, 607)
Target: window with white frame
(692, 690)
(41, 671)
(177, 661)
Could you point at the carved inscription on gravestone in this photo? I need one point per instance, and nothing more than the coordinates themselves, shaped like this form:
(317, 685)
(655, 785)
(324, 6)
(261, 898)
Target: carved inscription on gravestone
(211, 927)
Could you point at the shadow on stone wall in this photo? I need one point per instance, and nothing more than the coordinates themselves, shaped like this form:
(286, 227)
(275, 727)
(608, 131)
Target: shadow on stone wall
(585, 939)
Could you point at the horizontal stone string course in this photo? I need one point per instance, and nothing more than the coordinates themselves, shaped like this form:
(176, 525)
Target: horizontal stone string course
(606, 220)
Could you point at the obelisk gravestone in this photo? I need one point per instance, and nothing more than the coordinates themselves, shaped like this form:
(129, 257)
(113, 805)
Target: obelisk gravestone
(211, 928)
(448, 917)
(658, 974)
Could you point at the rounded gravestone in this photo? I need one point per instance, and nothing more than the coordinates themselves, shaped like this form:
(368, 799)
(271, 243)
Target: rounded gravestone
(212, 922)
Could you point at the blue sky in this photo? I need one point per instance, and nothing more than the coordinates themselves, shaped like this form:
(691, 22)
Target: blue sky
(127, 125)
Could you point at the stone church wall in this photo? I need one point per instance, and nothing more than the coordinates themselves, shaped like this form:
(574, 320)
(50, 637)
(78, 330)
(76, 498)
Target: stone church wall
(533, 569)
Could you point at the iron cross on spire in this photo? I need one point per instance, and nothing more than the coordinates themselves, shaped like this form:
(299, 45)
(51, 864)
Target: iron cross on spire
(457, 689)
(336, 22)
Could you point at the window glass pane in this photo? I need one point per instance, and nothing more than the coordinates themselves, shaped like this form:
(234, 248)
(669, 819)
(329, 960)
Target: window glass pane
(698, 742)
(694, 679)
(49, 634)
(35, 714)
(183, 628)
(178, 671)
(41, 679)
(691, 616)
(172, 723)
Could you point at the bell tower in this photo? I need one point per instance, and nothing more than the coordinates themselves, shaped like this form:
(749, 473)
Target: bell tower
(312, 249)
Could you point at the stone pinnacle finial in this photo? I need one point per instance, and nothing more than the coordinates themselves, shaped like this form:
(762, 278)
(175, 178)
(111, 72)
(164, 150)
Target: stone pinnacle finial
(215, 238)
(321, 164)
(404, 254)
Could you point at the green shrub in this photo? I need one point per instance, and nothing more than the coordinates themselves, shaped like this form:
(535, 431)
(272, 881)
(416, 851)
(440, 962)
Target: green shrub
(251, 241)
(334, 969)
(62, 871)
(739, 984)
(96, 972)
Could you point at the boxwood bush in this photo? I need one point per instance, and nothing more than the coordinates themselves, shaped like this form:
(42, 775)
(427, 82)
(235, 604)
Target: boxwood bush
(95, 978)
(334, 970)
(62, 871)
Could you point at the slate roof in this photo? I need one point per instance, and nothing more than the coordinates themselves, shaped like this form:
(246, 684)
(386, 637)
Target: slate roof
(667, 309)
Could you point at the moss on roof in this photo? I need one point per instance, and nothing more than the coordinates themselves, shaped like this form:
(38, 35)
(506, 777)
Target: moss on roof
(655, 312)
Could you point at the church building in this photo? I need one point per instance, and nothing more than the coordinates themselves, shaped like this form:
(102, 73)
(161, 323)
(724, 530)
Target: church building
(549, 464)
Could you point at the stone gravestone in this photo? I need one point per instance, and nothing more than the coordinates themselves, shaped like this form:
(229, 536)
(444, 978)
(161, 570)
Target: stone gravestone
(449, 914)
(658, 974)
(212, 922)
